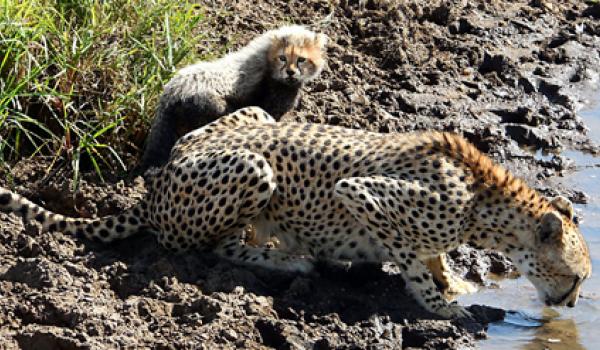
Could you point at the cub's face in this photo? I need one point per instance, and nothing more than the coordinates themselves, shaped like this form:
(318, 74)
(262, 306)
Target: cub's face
(295, 61)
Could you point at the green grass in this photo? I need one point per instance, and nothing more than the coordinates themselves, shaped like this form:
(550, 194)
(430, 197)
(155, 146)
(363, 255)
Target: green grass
(79, 80)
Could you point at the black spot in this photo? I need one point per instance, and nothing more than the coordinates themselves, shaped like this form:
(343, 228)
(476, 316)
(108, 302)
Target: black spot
(225, 179)
(5, 199)
(253, 182)
(417, 279)
(263, 187)
(40, 218)
(23, 211)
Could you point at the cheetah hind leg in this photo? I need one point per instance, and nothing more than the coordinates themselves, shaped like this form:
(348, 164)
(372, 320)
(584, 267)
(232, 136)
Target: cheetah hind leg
(220, 192)
(374, 202)
(235, 250)
(451, 284)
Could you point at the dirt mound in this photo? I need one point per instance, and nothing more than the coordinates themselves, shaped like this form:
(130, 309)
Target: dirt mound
(505, 74)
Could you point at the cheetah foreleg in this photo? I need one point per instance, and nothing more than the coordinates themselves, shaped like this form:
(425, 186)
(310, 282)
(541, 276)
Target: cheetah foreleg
(450, 283)
(385, 207)
(419, 283)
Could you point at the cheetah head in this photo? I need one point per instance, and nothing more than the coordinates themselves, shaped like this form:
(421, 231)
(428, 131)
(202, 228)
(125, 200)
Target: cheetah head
(296, 55)
(559, 260)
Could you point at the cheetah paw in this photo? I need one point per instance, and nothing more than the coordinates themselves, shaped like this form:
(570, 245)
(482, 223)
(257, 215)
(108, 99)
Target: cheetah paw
(458, 286)
(454, 311)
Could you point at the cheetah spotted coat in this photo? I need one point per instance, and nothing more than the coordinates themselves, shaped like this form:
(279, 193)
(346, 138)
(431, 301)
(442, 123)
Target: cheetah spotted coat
(327, 192)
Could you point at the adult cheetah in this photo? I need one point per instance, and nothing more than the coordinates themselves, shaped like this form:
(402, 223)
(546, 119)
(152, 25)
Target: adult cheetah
(334, 193)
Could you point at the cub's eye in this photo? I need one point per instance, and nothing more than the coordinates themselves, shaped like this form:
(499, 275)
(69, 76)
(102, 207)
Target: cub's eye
(282, 58)
(301, 59)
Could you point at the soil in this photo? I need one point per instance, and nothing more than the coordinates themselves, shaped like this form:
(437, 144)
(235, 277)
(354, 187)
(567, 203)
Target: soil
(509, 75)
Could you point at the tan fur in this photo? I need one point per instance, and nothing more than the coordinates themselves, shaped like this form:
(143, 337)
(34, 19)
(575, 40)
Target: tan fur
(487, 172)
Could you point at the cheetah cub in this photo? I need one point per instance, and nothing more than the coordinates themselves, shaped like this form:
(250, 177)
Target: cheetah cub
(332, 193)
(268, 72)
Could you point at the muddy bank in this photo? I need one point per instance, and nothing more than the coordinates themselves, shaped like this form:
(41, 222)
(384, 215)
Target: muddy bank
(507, 75)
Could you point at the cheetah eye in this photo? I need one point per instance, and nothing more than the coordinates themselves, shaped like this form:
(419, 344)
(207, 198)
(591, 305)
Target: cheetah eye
(282, 58)
(301, 59)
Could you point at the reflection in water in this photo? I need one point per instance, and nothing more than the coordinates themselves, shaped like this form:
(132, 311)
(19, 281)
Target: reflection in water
(555, 334)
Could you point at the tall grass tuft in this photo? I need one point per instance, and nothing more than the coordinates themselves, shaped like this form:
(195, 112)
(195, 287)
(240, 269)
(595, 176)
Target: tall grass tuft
(79, 80)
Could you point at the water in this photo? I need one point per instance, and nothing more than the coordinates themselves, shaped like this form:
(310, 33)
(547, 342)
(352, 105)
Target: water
(534, 326)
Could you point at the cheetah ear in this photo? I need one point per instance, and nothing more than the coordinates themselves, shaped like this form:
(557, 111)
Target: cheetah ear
(278, 41)
(321, 40)
(551, 228)
(563, 205)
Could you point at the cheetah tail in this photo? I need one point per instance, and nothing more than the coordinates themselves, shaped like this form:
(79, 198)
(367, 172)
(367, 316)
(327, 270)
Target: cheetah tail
(106, 229)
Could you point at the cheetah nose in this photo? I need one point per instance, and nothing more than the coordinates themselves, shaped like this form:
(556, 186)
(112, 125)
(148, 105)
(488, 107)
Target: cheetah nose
(289, 72)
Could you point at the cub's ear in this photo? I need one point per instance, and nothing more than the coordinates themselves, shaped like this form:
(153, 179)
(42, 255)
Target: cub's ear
(551, 228)
(321, 40)
(563, 205)
(278, 41)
